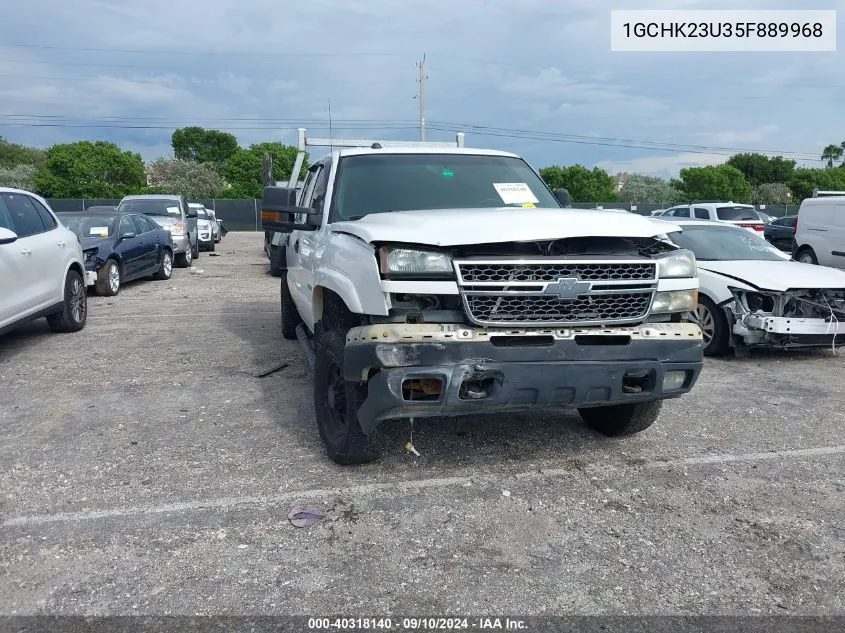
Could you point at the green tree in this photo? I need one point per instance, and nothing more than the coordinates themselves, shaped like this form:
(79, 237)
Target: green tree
(805, 179)
(19, 176)
(759, 168)
(714, 182)
(639, 188)
(584, 185)
(771, 193)
(186, 177)
(832, 153)
(203, 146)
(243, 170)
(12, 154)
(89, 170)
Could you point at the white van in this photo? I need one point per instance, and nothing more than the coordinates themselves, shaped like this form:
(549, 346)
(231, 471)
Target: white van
(820, 230)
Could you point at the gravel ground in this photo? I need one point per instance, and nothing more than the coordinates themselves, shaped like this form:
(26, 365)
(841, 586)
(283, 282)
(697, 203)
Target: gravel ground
(147, 470)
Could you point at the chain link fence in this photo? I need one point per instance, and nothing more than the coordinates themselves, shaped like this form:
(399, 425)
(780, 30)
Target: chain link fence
(245, 215)
(237, 215)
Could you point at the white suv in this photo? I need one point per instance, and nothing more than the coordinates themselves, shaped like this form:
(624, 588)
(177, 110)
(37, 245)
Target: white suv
(744, 215)
(42, 272)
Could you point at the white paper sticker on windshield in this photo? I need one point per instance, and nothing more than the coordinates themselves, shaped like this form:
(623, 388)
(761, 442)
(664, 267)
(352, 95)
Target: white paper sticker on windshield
(101, 231)
(515, 193)
(174, 210)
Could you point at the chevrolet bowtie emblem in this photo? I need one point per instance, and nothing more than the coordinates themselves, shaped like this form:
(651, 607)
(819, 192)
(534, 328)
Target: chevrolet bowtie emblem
(568, 288)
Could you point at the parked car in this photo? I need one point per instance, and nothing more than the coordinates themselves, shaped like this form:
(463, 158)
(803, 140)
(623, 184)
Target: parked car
(765, 217)
(173, 214)
(216, 225)
(752, 295)
(121, 247)
(744, 215)
(820, 230)
(42, 273)
(781, 232)
(111, 208)
(205, 227)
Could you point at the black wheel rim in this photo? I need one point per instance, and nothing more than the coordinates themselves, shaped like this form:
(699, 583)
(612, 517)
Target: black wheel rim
(77, 301)
(336, 400)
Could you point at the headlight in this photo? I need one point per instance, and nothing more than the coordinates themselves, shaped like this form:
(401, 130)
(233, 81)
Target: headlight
(176, 229)
(680, 263)
(89, 254)
(404, 261)
(675, 301)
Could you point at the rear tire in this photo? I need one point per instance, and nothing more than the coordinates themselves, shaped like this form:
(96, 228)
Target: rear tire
(166, 269)
(336, 403)
(109, 279)
(196, 251)
(622, 419)
(74, 312)
(806, 256)
(714, 325)
(290, 315)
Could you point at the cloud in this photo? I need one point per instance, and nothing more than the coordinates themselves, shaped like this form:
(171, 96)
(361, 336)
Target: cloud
(666, 166)
(260, 71)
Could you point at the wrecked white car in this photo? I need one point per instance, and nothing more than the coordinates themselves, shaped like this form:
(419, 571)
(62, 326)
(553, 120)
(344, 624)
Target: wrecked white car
(752, 295)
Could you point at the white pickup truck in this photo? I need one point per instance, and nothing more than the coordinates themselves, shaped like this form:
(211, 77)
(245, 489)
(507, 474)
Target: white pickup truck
(430, 279)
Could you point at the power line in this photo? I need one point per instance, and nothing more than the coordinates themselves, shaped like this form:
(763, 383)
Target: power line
(560, 136)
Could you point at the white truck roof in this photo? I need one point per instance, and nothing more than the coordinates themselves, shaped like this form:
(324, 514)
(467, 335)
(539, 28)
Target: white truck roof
(362, 151)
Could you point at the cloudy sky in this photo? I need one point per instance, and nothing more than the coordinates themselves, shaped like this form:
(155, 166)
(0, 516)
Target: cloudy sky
(532, 76)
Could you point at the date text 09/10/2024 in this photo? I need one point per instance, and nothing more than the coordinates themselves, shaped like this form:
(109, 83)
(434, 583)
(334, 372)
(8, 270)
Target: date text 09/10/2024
(417, 624)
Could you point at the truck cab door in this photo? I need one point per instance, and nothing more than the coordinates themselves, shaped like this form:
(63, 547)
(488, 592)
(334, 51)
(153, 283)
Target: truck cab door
(299, 243)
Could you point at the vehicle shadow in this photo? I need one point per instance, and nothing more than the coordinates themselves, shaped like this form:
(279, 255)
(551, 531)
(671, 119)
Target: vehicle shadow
(456, 442)
(16, 341)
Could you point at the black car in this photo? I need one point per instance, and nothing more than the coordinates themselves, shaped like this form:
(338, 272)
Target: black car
(120, 247)
(779, 232)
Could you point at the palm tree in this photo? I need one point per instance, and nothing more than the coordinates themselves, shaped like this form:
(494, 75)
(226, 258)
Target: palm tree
(832, 153)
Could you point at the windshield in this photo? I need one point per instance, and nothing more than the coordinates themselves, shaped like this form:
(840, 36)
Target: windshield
(724, 243)
(89, 226)
(737, 213)
(151, 207)
(380, 183)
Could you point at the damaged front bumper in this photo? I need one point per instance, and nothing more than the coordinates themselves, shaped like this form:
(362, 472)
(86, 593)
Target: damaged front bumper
(772, 331)
(424, 370)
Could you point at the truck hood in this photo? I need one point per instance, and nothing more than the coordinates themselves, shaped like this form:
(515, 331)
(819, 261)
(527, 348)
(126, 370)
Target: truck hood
(166, 220)
(778, 276)
(453, 227)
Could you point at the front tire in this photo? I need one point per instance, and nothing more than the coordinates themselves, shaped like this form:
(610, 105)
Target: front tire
(184, 260)
(336, 403)
(290, 315)
(622, 419)
(108, 279)
(74, 312)
(714, 326)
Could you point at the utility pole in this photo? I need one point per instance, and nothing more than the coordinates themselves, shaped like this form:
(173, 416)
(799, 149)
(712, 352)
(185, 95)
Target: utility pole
(423, 77)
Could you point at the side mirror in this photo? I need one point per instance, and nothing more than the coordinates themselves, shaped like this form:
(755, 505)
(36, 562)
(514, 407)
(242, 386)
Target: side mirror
(7, 236)
(278, 208)
(127, 236)
(191, 213)
(562, 196)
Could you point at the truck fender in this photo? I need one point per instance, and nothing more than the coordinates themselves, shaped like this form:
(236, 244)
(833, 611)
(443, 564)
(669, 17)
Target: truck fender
(372, 301)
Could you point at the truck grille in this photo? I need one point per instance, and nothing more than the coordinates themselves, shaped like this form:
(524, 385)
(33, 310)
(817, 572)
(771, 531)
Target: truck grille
(556, 292)
(473, 273)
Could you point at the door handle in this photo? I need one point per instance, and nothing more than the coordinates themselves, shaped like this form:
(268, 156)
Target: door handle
(26, 251)
(61, 243)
